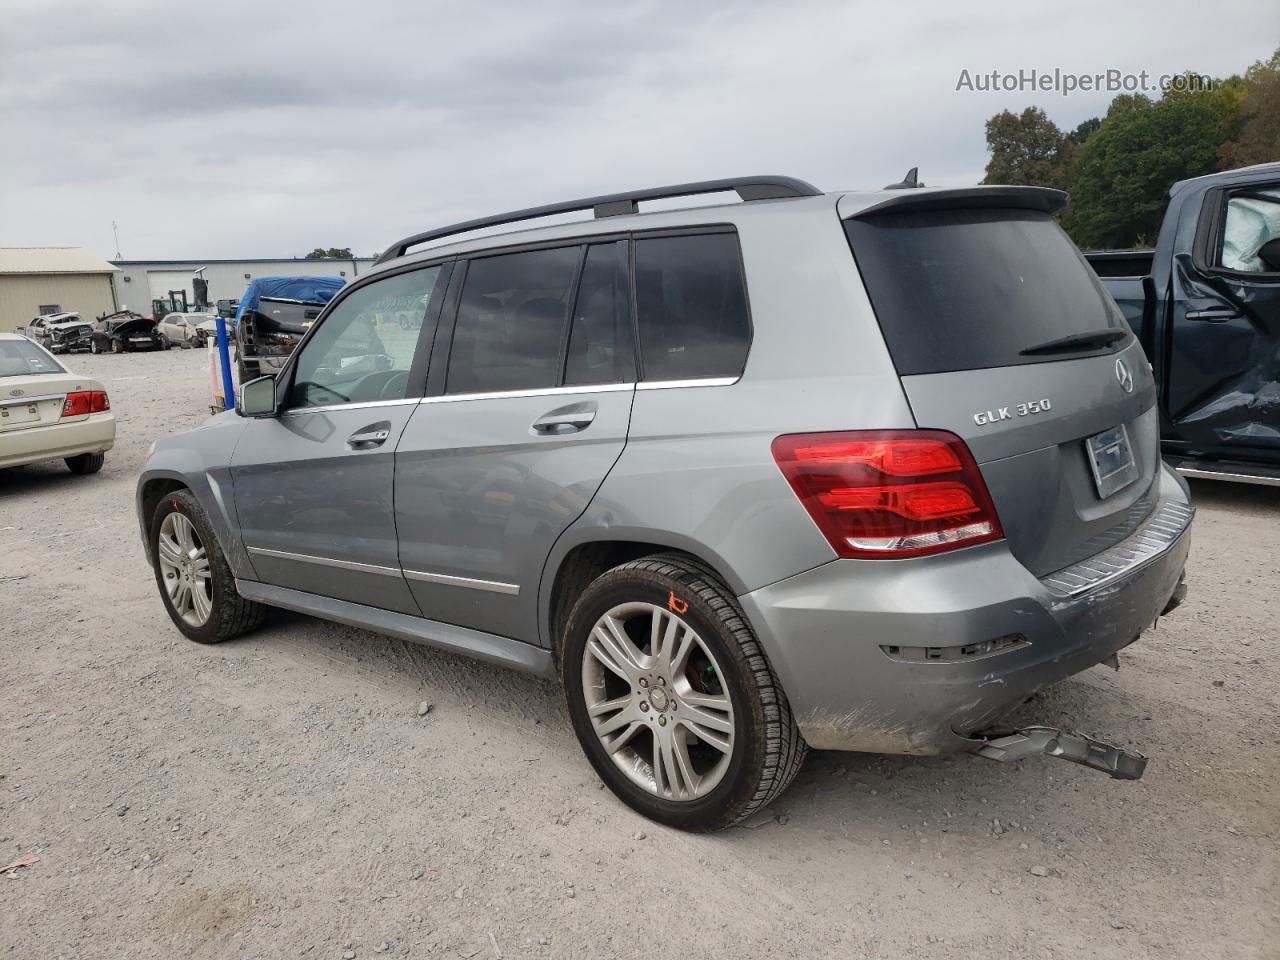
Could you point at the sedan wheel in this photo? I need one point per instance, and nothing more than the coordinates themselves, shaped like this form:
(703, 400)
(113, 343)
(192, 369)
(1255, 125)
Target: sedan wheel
(184, 565)
(662, 715)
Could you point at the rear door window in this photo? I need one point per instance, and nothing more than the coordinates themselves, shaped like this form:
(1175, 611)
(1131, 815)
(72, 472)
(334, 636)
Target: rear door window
(601, 345)
(511, 321)
(970, 289)
(691, 304)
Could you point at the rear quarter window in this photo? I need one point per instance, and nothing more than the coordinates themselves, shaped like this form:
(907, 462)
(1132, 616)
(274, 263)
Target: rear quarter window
(691, 305)
(970, 289)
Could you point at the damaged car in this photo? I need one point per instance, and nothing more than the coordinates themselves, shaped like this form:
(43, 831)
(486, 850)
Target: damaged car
(125, 331)
(272, 317)
(60, 332)
(1206, 305)
(850, 471)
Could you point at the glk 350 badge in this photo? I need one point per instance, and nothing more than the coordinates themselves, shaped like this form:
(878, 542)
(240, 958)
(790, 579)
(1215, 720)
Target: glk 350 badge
(1008, 413)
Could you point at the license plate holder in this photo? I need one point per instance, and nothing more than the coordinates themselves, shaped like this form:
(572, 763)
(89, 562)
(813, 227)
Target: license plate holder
(13, 413)
(1111, 460)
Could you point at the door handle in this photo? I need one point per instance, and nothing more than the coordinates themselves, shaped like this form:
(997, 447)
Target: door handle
(564, 422)
(371, 436)
(1213, 315)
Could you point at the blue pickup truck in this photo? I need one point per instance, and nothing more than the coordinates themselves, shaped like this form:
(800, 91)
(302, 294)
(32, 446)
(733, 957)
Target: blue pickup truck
(1206, 305)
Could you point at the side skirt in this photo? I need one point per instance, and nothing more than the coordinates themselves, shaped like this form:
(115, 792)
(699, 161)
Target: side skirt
(501, 651)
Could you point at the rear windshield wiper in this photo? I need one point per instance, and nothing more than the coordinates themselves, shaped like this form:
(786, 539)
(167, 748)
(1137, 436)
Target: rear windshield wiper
(1077, 342)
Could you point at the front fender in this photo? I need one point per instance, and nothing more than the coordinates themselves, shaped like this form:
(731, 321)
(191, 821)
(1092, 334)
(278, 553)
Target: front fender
(199, 460)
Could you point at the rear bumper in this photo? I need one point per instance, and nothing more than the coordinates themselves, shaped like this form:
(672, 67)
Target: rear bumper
(94, 434)
(913, 656)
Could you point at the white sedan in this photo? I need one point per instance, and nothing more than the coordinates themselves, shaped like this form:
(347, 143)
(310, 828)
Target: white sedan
(49, 413)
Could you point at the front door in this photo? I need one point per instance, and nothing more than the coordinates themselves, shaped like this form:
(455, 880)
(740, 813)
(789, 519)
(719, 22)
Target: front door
(313, 486)
(1223, 382)
(530, 416)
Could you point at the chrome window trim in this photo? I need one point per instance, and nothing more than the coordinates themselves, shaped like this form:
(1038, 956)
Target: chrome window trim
(492, 586)
(361, 405)
(697, 382)
(325, 561)
(1157, 535)
(540, 392)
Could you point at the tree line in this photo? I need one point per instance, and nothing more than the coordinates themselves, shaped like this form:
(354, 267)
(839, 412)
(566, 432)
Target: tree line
(1118, 168)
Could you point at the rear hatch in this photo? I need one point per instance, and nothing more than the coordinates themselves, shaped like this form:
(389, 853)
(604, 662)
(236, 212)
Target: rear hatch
(1003, 335)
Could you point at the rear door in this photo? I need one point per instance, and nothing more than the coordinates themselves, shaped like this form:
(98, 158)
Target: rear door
(1003, 335)
(1223, 383)
(529, 400)
(313, 486)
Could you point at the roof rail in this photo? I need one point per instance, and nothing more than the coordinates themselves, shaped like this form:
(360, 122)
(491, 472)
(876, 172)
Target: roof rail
(617, 204)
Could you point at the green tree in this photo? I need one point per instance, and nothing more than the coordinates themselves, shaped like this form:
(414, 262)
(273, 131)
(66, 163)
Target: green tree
(1027, 149)
(337, 253)
(1121, 175)
(1259, 139)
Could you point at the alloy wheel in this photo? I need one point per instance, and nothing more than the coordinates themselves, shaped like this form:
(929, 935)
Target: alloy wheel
(656, 700)
(184, 564)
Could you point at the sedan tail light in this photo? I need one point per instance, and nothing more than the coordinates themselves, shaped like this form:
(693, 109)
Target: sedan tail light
(81, 402)
(889, 493)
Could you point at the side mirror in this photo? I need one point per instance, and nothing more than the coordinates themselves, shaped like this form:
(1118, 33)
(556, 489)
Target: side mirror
(257, 398)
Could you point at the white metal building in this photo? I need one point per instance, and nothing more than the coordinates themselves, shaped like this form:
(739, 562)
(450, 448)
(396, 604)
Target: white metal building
(39, 280)
(138, 282)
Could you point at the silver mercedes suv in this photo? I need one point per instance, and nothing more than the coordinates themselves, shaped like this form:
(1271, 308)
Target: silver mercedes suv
(850, 471)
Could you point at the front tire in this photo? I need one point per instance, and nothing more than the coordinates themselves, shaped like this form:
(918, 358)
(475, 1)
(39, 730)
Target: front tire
(117, 346)
(672, 698)
(93, 346)
(196, 584)
(85, 463)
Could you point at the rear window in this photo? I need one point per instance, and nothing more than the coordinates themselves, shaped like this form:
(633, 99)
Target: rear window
(21, 358)
(968, 289)
(691, 303)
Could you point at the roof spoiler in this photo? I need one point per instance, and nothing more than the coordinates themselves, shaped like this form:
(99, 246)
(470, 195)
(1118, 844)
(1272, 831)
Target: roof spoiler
(1044, 199)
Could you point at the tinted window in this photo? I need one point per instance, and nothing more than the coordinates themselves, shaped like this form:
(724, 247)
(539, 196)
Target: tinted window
(968, 289)
(691, 306)
(511, 321)
(364, 348)
(600, 342)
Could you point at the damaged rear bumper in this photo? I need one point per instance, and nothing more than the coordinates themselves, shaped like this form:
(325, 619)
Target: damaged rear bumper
(916, 656)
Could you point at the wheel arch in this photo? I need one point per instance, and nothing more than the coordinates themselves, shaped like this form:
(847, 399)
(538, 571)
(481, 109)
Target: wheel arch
(573, 565)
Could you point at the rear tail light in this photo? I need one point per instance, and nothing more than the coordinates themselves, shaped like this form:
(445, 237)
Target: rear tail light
(81, 402)
(889, 493)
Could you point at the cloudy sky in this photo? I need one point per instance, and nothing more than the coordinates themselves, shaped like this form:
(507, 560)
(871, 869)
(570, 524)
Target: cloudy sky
(264, 129)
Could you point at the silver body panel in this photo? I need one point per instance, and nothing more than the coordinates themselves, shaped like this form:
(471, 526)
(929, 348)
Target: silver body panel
(455, 530)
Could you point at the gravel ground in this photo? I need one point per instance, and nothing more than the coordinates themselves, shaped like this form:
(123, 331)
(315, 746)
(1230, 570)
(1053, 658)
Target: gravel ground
(286, 795)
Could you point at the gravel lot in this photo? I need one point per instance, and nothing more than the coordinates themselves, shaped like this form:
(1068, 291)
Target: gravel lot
(284, 795)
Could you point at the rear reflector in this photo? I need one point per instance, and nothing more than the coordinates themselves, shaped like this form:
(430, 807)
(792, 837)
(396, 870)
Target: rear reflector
(889, 493)
(81, 402)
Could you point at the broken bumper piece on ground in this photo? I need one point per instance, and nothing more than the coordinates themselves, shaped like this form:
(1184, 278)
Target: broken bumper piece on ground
(1116, 762)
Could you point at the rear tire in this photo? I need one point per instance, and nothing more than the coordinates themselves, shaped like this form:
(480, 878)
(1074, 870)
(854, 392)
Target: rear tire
(723, 662)
(85, 463)
(117, 346)
(229, 614)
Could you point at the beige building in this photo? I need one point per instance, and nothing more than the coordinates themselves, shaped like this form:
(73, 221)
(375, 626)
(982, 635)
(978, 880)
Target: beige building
(38, 280)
